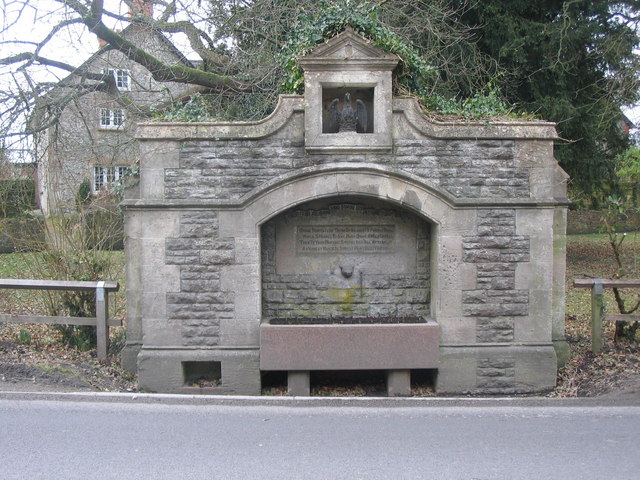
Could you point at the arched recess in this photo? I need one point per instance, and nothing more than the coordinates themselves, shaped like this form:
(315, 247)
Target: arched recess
(388, 205)
(345, 257)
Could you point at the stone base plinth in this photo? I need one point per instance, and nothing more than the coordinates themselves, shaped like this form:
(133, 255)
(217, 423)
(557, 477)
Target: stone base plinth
(129, 357)
(165, 369)
(496, 369)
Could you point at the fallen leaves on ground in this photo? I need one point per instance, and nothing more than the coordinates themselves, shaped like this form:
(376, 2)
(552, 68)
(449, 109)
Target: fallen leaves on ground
(45, 361)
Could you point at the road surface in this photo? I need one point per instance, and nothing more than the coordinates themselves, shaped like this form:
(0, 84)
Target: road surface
(94, 439)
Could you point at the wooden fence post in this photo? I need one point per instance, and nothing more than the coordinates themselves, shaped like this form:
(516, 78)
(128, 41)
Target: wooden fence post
(102, 314)
(597, 312)
(101, 319)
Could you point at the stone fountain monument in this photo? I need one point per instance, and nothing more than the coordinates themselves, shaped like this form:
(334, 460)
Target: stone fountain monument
(346, 231)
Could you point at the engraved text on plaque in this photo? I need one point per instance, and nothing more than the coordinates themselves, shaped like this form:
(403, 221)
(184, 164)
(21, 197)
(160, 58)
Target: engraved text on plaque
(344, 238)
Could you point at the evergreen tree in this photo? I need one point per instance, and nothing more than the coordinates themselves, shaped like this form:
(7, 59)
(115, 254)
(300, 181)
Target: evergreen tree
(572, 62)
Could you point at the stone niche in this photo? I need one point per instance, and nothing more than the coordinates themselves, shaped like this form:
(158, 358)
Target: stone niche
(351, 68)
(346, 286)
(347, 230)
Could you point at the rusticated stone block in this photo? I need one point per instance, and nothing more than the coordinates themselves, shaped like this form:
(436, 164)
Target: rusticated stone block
(496, 374)
(495, 310)
(497, 362)
(498, 384)
(494, 330)
(217, 257)
(199, 225)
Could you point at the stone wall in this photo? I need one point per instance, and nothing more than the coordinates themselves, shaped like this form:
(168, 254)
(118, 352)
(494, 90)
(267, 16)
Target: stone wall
(229, 169)
(497, 375)
(495, 251)
(199, 254)
(482, 169)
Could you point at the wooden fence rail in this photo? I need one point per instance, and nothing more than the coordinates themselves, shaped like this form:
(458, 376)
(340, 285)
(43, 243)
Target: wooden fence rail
(101, 321)
(597, 286)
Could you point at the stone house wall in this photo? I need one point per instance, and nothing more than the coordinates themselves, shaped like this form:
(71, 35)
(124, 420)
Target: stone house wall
(68, 151)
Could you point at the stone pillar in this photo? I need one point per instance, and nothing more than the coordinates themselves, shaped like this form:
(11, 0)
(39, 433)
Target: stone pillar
(398, 383)
(299, 383)
(559, 295)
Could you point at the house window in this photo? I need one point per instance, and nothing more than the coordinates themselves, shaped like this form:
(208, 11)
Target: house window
(105, 176)
(111, 118)
(121, 77)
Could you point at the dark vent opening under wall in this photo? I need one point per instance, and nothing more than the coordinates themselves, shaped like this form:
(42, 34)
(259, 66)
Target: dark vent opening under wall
(350, 382)
(203, 374)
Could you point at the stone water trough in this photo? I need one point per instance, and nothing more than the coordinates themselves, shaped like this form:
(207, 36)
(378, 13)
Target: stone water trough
(348, 344)
(393, 344)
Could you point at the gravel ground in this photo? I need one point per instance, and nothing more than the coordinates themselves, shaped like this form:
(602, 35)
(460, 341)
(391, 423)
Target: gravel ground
(615, 374)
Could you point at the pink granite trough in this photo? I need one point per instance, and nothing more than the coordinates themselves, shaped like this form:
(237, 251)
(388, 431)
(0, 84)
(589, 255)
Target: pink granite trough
(373, 346)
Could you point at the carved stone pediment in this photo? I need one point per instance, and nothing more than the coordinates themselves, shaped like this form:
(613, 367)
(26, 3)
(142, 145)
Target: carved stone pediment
(348, 51)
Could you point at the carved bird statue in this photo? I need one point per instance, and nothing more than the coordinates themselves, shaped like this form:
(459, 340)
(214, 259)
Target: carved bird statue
(348, 119)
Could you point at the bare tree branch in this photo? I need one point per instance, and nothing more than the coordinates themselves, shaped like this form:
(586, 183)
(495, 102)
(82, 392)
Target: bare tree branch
(31, 57)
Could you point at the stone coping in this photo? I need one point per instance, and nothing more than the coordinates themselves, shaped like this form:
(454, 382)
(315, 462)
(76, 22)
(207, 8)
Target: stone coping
(472, 129)
(240, 130)
(344, 320)
(290, 104)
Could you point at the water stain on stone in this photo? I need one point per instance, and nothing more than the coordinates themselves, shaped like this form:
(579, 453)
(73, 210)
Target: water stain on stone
(344, 296)
(410, 197)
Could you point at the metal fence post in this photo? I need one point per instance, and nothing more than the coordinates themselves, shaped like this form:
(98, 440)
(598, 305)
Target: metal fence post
(102, 314)
(597, 311)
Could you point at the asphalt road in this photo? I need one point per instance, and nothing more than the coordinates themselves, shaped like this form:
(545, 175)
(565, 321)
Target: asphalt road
(97, 439)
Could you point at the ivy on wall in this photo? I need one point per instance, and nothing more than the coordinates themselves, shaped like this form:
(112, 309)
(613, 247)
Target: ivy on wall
(414, 75)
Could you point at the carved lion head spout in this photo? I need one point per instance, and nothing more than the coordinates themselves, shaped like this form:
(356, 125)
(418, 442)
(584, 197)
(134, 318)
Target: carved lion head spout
(346, 270)
(348, 119)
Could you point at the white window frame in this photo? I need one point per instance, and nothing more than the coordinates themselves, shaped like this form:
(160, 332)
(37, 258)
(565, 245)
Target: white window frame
(105, 176)
(121, 76)
(112, 118)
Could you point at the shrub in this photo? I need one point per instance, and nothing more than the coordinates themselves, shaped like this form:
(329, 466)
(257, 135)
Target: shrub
(74, 247)
(83, 196)
(13, 231)
(627, 264)
(17, 196)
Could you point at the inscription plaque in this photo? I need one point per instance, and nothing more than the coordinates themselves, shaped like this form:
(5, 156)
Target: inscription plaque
(344, 238)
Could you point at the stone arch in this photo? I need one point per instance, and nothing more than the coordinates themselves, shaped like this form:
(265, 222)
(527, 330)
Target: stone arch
(400, 190)
(346, 256)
